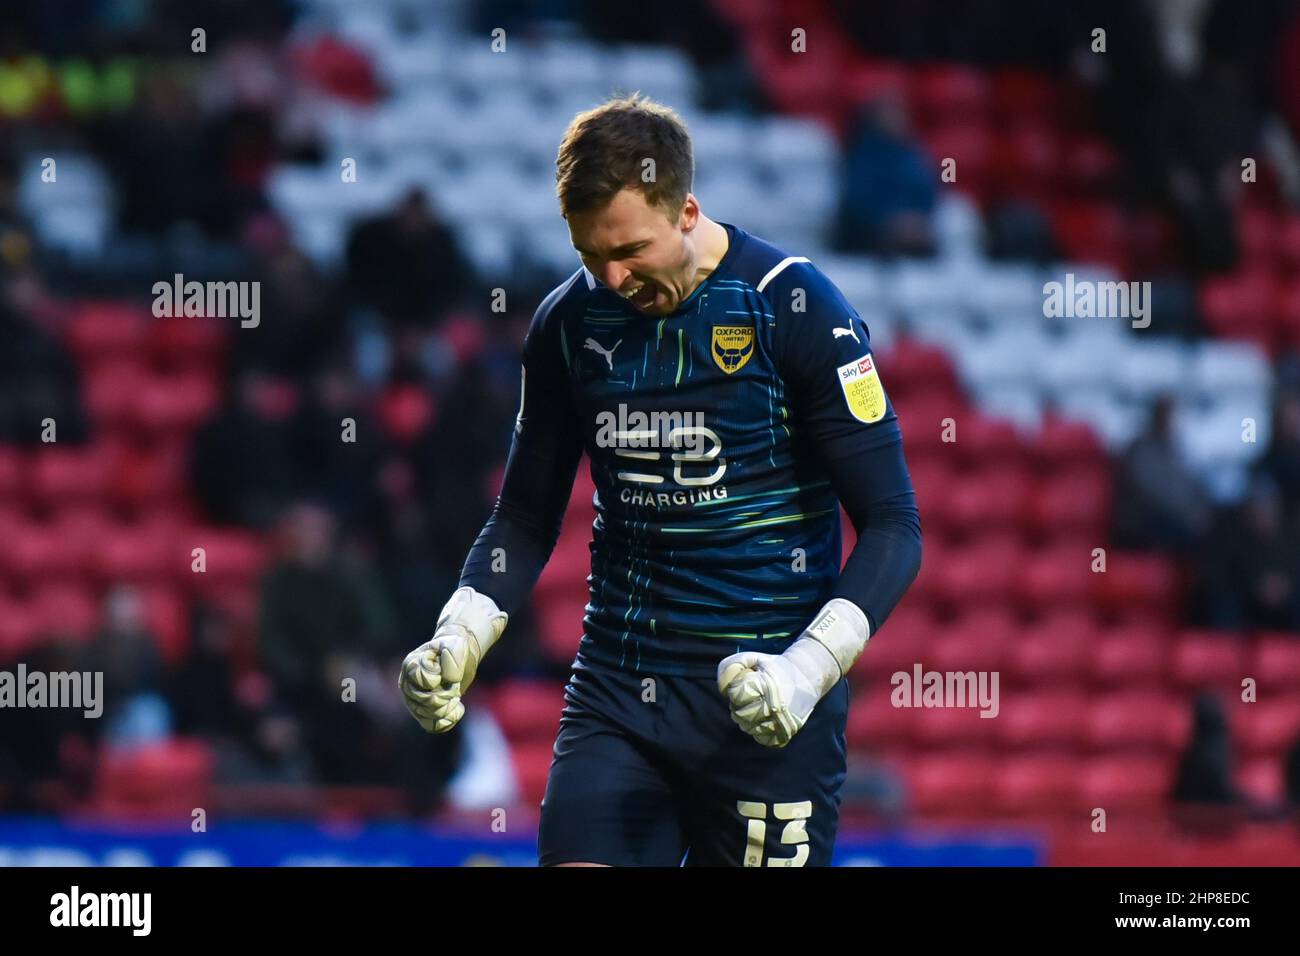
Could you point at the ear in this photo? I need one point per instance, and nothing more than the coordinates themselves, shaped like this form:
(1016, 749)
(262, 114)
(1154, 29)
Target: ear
(690, 214)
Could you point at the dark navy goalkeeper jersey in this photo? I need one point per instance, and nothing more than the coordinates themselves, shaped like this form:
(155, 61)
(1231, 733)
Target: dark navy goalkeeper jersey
(713, 435)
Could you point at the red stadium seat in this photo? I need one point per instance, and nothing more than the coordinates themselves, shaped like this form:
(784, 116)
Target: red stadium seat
(1037, 785)
(1056, 720)
(65, 610)
(169, 404)
(918, 368)
(1138, 720)
(167, 779)
(1065, 444)
(1288, 313)
(1127, 657)
(1267, 727)
(1276, 661)
(566, 572)
(970, 146)
(922, 417)
(1137, 580)
(36, 552)
(1288, 244)
(986, 441)
(1091, 165)
(142, 554)
(953, 785)
(1257, 229)
(749, 15)
(982, 572)
(20, 626)
(109, 330)
(932, 476)
(874, 723)
(1207, 659)
(904, 639)
(949, 92)
(1075, 501)
(1094, 232)
(110, 389)
(144, 478)
(528, 710)
(181, 344)
(559, 623)
(1057, 577)
(1240, 305)
(992, 497)
(957, 726)
(167, 614)
(1125, 783)
(1053, 654)
(1028, 162)
(532, 763)
(61, 475)
(982, 640)
(1262, 780)
(866, 81)
(1024, 96)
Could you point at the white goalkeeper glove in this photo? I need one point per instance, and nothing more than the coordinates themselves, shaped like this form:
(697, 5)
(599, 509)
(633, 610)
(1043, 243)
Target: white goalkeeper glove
(436, 674)
(771, 695)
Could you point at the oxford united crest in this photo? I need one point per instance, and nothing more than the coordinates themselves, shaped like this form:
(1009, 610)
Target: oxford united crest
(733, 345)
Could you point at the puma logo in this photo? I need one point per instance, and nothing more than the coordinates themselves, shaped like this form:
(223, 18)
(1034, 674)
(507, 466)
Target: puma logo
(608, 353)
(849, 331)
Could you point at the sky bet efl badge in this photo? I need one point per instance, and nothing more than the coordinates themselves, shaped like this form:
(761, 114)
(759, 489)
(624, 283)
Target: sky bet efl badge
(862, 389)
(733, 345)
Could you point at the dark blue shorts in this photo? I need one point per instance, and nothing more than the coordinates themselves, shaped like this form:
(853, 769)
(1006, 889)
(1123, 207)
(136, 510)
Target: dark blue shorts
(658, 775)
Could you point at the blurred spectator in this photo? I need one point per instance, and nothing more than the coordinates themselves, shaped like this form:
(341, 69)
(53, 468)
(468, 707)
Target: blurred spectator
(406, 263)
(1203, 784)
(1251, 567)
(136, 711)
(47, 753)
(1291, 777)
(202, 688)
(890, 185)
(1159, 502)
(1282, 460)
(1019, 230)
(37, 377)
(242, 467)
(337, 446)
(275, 752)
(321, 611)
(303, 323)
(166, 163)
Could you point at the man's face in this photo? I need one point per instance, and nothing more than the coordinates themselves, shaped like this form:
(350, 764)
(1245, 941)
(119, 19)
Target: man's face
(637, 251)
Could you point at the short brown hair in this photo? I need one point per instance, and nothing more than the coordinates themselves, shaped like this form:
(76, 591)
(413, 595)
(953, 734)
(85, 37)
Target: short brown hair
(604, 149)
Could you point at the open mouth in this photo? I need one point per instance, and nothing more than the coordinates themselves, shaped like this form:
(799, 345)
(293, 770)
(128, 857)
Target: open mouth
(645, 296)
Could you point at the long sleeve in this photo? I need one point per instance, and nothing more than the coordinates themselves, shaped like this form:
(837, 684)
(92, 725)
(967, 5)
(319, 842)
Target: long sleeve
(841, 409)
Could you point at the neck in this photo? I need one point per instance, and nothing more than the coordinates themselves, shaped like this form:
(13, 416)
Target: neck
(710, 250)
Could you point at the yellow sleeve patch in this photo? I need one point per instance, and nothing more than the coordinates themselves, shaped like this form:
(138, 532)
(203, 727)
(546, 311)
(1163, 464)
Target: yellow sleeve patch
(862, 389)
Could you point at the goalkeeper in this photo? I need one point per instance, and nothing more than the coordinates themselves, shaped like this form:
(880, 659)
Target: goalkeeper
(729, 402)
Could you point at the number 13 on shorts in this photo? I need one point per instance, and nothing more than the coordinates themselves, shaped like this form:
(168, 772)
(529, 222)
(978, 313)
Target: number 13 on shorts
(794, 834)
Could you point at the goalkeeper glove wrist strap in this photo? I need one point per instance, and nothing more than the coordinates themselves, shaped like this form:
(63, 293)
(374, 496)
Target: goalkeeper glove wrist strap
(831, 644)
